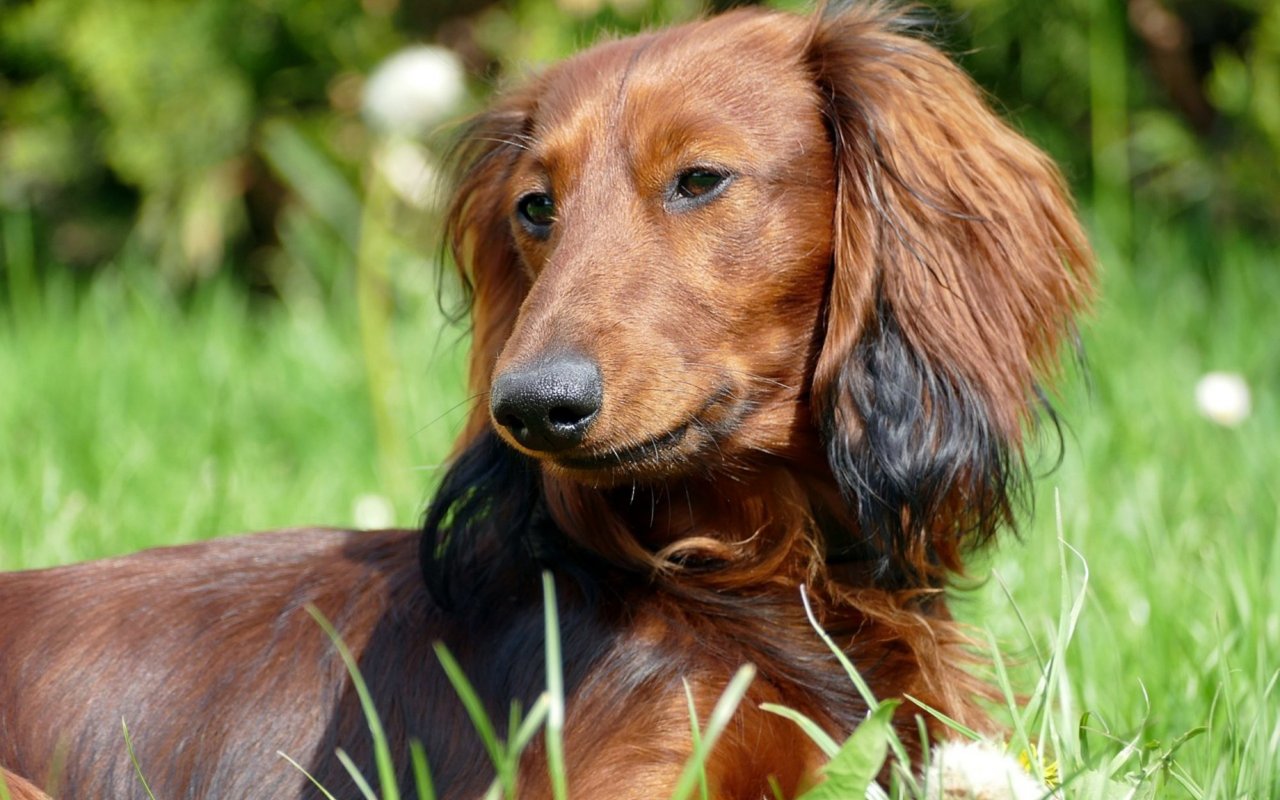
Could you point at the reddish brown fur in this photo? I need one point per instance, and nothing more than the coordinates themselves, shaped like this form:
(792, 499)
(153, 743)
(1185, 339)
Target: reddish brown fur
(19, 788)
(849, 339)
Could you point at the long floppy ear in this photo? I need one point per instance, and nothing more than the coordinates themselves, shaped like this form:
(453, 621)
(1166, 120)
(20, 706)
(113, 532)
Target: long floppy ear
(958, 266)
(481, 528)
(477, 229)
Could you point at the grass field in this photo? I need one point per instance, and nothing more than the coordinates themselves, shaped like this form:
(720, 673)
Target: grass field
(132, 418)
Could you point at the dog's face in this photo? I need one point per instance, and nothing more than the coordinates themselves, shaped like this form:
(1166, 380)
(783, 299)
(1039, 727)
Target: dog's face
(671, 205)
(769, 240)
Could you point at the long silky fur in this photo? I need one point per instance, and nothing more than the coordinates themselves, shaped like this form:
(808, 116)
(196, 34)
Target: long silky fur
(926, 442)
(958, 267)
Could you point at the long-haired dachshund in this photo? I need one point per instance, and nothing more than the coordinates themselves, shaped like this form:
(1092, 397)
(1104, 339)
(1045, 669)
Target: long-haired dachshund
(761, 305)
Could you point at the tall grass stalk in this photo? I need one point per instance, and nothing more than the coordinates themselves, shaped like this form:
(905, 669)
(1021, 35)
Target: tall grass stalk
(555, 691)
(1109, 118)
(374, 308)
(19, 253)
(381, 747)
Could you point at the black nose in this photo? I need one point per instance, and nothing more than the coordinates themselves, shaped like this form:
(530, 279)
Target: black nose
(548, 406)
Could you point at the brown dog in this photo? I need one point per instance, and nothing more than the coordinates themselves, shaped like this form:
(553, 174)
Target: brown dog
(760, 303)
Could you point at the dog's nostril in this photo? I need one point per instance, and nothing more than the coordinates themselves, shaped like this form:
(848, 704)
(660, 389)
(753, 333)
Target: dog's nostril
(510, 421)
(549, 405)
(565, 416)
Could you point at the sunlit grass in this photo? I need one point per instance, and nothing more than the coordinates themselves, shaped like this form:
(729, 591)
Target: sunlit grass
(133, 419)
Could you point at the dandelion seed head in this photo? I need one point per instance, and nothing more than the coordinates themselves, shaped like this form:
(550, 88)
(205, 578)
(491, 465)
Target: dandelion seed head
(1224, 398)
(413, 90)
(978, 771)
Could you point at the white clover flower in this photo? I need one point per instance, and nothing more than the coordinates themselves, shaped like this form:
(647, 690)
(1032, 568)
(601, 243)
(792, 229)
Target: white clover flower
(978, 771)
(1224, 398)
(413, 90)
(372, 512)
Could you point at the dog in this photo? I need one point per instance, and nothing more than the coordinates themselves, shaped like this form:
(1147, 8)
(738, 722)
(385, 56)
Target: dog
(761, 306)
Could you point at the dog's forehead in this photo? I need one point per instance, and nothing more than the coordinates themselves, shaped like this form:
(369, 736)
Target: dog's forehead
(739, 74)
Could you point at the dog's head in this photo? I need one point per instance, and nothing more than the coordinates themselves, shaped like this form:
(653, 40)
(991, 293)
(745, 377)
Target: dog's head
(763, 240)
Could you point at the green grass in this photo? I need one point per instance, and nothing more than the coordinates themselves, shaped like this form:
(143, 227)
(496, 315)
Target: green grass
(133, 419)
(1175, 516)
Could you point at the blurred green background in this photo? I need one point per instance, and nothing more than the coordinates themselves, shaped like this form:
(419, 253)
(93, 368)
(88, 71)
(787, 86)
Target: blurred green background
(188, 133)
(219, 312)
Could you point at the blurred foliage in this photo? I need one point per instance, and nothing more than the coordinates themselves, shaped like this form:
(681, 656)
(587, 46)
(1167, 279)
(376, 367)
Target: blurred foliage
(203, 134)
(1199, 83)
(139, 123)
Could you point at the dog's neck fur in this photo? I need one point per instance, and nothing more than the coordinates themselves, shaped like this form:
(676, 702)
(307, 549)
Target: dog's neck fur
(723, 577)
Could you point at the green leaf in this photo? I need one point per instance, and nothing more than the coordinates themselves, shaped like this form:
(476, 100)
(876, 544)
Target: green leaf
(860, 759)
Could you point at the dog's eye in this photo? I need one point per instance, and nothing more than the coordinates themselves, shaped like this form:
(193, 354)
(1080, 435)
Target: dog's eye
(536, 211)
(697, 186)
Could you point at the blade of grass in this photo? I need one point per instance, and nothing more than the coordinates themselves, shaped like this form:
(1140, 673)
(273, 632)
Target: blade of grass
(825, 743)
(421, 771)
(860, 759)
(775, 789)
(1052, 684)
(356, 777)
(1023, 623)
(531, 724)
(695, 736)
(133, 758)
(555, 691)
(864, 689)
(311, 778)
(381, 748)
(497, 750)
(953, 724)
(1021, 739)
(720, 716)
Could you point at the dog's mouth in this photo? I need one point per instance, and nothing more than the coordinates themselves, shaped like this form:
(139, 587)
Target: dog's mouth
(648, 451)
(667, 452)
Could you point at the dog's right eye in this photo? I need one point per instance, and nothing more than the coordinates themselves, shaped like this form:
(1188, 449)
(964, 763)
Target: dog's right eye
(536, 212)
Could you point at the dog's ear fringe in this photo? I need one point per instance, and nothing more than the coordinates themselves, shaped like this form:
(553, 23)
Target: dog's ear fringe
(478, 522)
(925, 452)
(959, 265)
(478, 234)
(489, 532)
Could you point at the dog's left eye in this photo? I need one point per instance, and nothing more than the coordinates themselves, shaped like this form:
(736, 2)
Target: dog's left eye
(537, 211)
(697, 186)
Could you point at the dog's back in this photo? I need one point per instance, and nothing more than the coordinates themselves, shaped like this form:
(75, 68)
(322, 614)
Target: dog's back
(209, 655)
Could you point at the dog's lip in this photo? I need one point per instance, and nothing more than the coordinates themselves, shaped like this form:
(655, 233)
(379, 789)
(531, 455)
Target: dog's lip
(647, 449)
(629, 455)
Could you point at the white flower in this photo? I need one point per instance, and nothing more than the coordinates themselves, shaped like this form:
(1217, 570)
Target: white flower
(978, 771)
(413, 90)
(373, 511)
(1224, 398)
